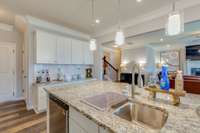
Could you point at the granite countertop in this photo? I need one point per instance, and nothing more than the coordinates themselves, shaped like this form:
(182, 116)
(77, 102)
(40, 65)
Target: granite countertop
(55, 82)
(181, 119)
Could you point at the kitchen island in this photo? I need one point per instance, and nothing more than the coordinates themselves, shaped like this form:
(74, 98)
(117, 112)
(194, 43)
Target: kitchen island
(181, 119)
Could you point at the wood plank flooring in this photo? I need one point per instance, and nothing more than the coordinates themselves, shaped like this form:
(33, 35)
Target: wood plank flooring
(14, 118)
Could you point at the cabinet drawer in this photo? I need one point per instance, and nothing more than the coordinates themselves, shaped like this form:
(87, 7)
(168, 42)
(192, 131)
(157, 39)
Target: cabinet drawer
(82, 121)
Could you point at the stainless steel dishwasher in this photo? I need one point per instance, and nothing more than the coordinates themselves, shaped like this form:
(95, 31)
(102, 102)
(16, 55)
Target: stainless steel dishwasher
(58, 116)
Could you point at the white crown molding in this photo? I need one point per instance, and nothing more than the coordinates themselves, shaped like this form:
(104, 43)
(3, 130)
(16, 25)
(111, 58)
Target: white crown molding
(163, 11)
(110, 49)
(7, 43)
(47, 25)
(6, 27)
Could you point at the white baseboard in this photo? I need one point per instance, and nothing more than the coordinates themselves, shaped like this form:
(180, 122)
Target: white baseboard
(13, 99)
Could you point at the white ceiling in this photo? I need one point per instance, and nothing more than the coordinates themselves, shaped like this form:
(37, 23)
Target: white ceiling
(77, 13)
(191, 36)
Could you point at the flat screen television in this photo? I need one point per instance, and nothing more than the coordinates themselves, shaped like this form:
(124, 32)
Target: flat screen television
(193, 52)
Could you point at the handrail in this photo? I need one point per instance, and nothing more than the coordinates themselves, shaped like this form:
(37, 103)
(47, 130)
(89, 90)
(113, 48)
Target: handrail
(115, 69)
(104, 59)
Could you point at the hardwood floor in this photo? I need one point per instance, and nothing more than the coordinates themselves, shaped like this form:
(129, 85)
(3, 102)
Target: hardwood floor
(14, 118)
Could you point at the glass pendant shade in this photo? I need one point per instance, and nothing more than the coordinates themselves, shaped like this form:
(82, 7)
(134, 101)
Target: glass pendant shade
(175, 24)
(93, 45)
(119, 38)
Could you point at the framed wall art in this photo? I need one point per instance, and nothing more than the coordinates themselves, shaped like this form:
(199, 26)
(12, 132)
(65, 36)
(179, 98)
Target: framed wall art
(171, 58)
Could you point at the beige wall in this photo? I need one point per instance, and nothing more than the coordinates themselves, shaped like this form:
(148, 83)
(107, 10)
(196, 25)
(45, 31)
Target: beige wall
(17, 38)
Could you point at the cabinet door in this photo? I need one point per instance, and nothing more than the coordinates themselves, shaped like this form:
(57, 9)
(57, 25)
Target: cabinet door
(82, 121)
(74, 127)
(42, 100)
(88, 54)
(77, 52)
(46, 48)
(63, 50)
(103, 130)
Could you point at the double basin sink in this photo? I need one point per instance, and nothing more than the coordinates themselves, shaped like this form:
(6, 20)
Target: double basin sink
(132, 111)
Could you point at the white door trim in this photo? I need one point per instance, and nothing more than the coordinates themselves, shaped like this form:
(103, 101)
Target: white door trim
(13, 46)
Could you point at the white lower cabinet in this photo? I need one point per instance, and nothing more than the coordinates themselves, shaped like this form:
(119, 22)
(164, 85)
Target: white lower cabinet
(39, 99)
(78, 123)
(103, 130)
(74, 127)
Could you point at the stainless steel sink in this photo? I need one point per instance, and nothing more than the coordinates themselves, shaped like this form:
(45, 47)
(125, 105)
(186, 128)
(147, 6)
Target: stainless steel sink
(105, 101)
(151, 116)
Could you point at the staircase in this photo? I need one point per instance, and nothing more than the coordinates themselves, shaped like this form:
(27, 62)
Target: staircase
(108, 68)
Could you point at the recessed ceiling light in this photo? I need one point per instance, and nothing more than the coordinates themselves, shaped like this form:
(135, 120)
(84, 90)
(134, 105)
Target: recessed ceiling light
(161, 39)
(115, 46)
(139, 0)
(97, 21)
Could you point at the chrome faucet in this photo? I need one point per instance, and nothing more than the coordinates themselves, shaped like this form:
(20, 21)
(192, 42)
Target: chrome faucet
(136, 69)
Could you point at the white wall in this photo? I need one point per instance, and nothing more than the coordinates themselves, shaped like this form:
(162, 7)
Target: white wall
(143, 54)
(17, 38)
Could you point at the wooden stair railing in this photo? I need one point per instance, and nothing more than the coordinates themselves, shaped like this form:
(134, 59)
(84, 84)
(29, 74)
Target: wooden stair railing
(111, 66)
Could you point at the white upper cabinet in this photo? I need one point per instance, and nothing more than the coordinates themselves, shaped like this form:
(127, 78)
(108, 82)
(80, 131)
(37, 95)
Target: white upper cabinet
(88, 54)
(55, 49)
(64, 50)
(77, 52)
(46, 48)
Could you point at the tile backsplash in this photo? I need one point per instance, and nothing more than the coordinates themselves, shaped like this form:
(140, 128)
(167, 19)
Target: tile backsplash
(68, 70)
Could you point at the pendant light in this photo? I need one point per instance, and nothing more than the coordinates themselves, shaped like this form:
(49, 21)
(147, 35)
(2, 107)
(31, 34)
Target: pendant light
(175, 23)
(119, 38)
(93, 45)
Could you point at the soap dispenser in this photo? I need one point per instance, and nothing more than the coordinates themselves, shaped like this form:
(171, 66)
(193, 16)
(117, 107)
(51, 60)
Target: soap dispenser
(179, 82)
(164, 82)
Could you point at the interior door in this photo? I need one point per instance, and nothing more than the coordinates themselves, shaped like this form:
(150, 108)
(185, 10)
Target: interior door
(7, 72)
